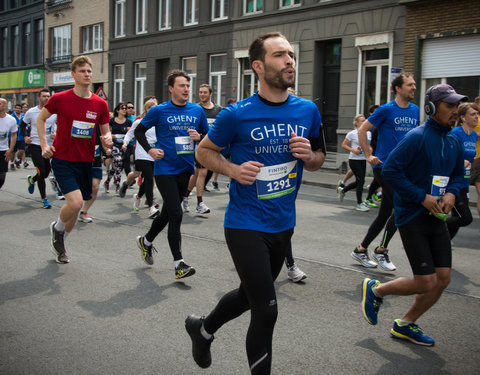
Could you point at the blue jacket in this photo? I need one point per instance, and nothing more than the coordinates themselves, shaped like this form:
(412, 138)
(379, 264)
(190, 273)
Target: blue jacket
(426, 151)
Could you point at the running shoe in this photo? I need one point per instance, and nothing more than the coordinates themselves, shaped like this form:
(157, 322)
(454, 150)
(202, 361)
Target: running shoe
(136, 202)
(383, 260)
(183, 270)
(200, 345)
(340, 184)
(370, 203)
(12, 167)
(146, 250)
(31, 184)
(202, 208)
(206, 189)
(153, 212)
(185, 205)
(370, 302)
(46, 204)
(215, 186)
(117, 189)
(296, 274)
(25, 165)
(362, 257)
(57, 245)
(362, 207)
(340, 194)
(84, 218)
(123, 190)
(106, 186)
(60, 197)
(376, 197)
(18, 164)
(411, 332)
(53, 182)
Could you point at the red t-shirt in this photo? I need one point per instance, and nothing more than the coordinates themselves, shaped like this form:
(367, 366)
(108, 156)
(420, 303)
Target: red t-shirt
(77, 121)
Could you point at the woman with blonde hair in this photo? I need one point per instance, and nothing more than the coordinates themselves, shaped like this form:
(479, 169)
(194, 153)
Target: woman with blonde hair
(143, 164)
(467, 120)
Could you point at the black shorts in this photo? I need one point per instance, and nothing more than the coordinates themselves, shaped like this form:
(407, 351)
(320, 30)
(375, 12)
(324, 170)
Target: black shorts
(475, 172)
(198, 165)
(20, 145)
(427, 244)
(74, 175)
(3, 162)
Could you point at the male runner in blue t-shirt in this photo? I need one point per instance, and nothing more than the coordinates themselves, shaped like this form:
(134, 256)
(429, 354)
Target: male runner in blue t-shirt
(393, 120)
(178, 123)
(272, 136)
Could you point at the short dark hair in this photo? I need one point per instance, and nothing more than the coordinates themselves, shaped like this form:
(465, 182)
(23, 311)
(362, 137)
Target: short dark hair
(207, 86)
(399, 79)
(372, 108)
(18, 105)
(256, 51)
(174, 74)
(43, 90)
(117, 108)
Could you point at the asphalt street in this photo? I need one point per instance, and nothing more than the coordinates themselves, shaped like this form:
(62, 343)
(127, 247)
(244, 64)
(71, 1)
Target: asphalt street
(107, 312)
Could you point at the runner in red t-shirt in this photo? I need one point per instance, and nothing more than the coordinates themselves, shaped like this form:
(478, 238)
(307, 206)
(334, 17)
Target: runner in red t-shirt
(79, 112)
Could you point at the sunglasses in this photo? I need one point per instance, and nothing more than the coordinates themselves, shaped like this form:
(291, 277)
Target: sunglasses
(130, 107)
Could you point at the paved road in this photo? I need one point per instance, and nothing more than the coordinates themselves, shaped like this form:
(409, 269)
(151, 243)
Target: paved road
(108, 313)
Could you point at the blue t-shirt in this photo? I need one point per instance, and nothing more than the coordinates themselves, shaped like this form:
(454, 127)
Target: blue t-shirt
(260, 132)
(171, 128)
(18, 120)
(469, 143)
(392, 123)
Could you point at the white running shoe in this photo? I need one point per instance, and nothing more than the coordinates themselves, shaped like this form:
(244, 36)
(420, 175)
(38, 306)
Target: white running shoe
(185, 205)
(362, 207)
(362, 257)
(84, 218)
(153, 212)
(296, 274)
(136, 202)
(202, 208)
(53, 182)
(383, 260)
(340, 194)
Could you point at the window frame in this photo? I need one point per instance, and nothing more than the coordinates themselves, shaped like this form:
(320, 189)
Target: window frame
(255, 6)
(192, 96)
(194, 8)
(223, 10)
(141, 17)
(218, 93)
(120, 24)
(139, 80)
(68, 48)
(97, 42)
(281, 6)
(118, 83)
(168, 12)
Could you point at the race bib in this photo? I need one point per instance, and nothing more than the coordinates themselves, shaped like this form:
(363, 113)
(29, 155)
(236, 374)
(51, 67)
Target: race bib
(82, 129)
(184, 145)
(277, 180)
(118, 138)
(48, 131)
(439, 185)
(3, 135)
(97, 151)
(468, 171)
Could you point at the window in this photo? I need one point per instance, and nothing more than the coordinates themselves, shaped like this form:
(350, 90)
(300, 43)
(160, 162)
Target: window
(142, 16)
(190, 16)
(140, 79)
(165, 14)
(289, 3)
(27, 44)
(92, 38)
(218, 83)
(249, 83)
(5, 56)
(61, 43)
(219, 10)
(118, 80)
(16, 45)
(252, 6)
(189, 65)
(38, 45)
(120, 18)
(375, 73)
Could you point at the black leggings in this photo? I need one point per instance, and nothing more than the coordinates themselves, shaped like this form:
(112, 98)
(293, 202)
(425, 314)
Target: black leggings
(461, 214)
(43, 168)
(385, 216)
(374, 185)
(358, 168)
(258, 259)
(146, 167)
(172, 188)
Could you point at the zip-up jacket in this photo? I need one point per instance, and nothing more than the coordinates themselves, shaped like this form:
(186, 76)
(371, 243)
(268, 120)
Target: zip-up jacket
(425, 154)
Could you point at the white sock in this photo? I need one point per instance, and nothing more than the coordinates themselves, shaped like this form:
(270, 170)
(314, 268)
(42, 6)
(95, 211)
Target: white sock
(404, 322)
(204, 333)
(65, 235)
(146, 242)
(60, 225)
(177, 262)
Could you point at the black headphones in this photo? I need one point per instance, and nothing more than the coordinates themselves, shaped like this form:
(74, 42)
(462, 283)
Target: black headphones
(429, 106)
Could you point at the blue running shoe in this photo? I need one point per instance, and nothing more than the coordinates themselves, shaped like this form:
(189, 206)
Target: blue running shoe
(31, 184)
(370, 302)
(46, 204)
(411, 332)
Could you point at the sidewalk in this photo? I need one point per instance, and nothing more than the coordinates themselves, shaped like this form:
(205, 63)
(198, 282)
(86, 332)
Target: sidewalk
(328, 178)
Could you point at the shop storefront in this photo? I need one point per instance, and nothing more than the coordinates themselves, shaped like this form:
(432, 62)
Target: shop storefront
(21, 86)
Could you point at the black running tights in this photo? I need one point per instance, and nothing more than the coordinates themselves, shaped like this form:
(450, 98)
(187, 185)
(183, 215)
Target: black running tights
(146, 167)
(258, 259)
(358, 168)
(385, 215)
(172, 188)
(43, 168)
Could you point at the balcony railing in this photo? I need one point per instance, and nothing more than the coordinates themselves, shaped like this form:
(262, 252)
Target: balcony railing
(65, 59)
(57, 5)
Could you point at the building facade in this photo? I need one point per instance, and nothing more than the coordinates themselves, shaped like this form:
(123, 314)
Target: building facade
(21, 50)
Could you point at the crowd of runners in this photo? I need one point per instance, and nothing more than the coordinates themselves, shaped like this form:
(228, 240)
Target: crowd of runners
(422, 174)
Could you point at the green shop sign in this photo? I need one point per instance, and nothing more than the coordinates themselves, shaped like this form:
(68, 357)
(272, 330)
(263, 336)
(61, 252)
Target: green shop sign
(22, 79)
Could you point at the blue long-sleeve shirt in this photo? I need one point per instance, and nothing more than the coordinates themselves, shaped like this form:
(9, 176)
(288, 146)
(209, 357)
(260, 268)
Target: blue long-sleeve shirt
(425, 154)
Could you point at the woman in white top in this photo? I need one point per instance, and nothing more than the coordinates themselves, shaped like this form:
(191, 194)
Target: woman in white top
(357, 163)
(143, 165)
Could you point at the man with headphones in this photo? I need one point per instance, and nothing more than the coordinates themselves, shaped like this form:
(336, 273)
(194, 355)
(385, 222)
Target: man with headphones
(426, 173)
